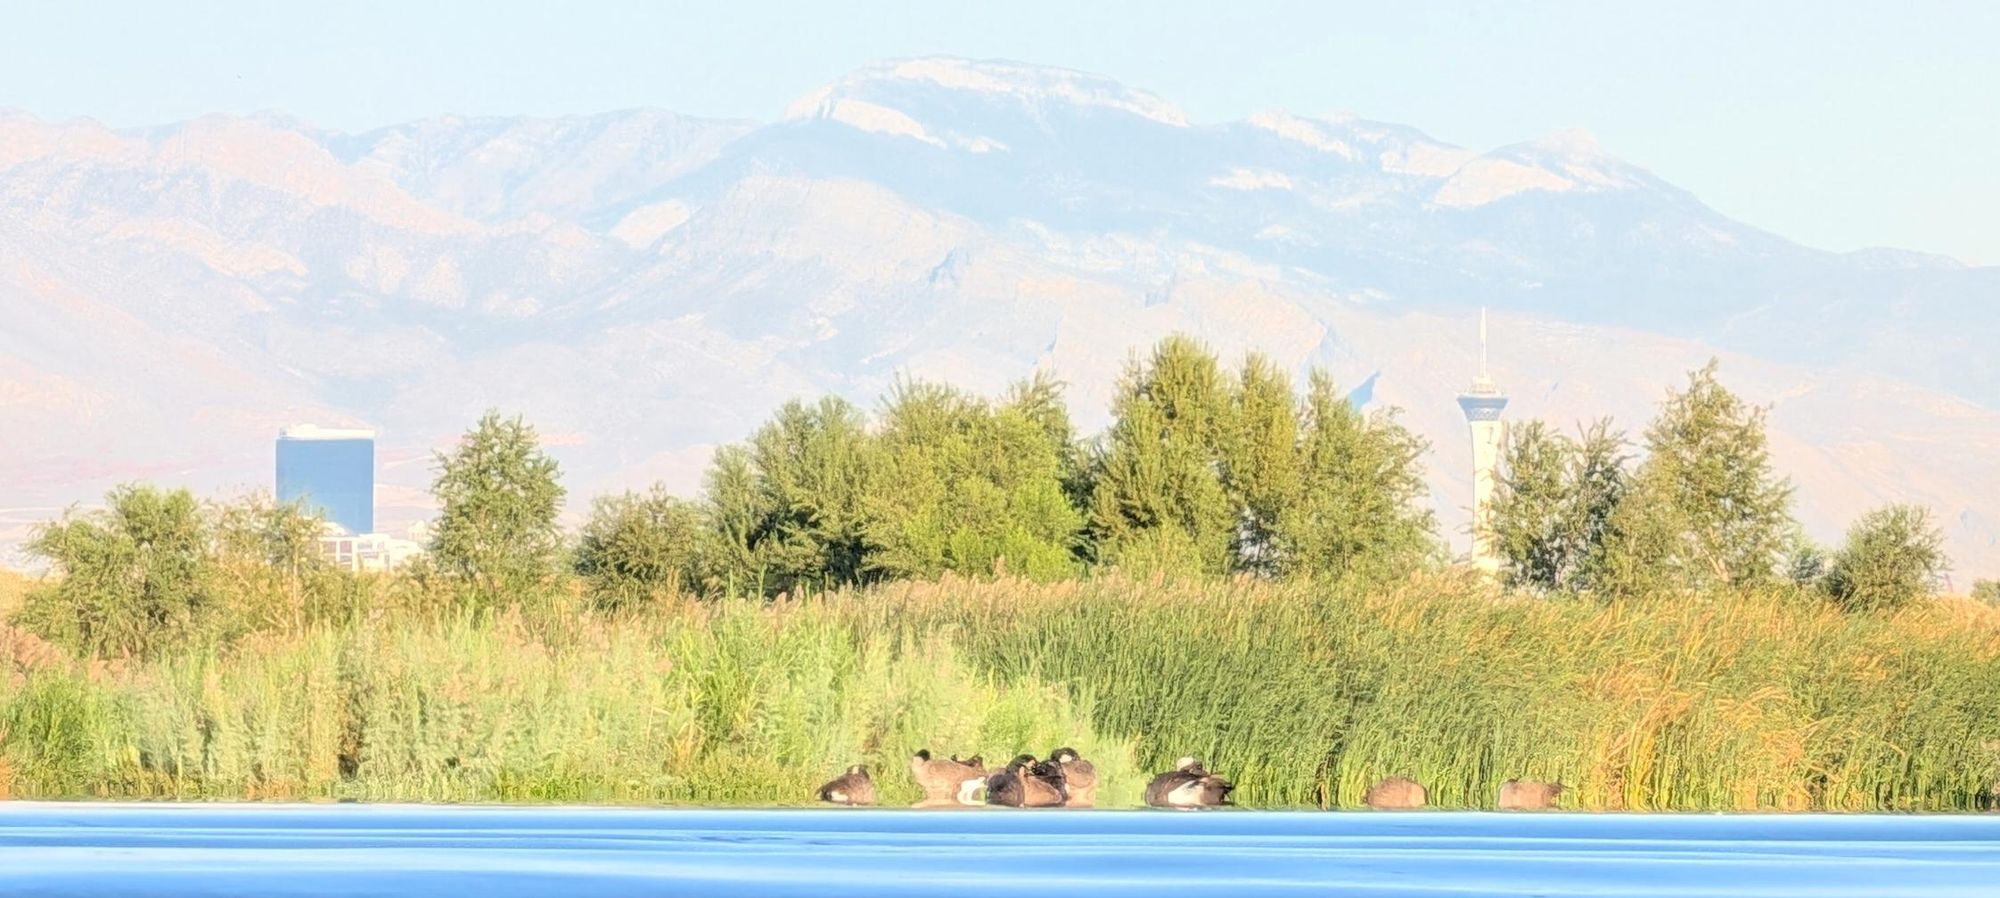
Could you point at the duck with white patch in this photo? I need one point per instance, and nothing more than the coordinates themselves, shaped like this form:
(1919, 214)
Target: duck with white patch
(853, 788)
(948, 781)
(1188, 786)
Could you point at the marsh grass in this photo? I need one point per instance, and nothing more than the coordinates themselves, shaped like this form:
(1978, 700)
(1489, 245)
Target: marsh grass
(1301, 693)
(13, 591)
(1306, 693)
(742, 703)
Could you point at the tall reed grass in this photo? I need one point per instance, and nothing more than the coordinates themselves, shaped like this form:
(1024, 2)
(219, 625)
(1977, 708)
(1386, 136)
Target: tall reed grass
(740, 703)
(1307, 693)
(1301, 693)
(13, 592)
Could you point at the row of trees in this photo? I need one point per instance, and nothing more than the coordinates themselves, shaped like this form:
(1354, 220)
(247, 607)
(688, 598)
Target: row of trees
(1203, 471)
(1702, 510)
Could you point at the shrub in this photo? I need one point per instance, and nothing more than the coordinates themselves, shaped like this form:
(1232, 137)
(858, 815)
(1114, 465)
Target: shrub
(134, 576)
(1892, 557)
(638, 546)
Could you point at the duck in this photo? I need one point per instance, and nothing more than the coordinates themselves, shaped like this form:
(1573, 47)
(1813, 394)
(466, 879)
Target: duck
(1395, 793)
(947, 780)
(851, 788)
(1528, 795)
(1189, 785)
(1026, 783)
(1078, 775)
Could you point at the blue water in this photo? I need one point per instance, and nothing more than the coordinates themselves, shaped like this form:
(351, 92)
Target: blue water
(490, 852)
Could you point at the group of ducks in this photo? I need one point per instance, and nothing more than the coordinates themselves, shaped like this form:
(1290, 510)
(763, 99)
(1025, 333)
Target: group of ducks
(1067, 780)
(1400, 793)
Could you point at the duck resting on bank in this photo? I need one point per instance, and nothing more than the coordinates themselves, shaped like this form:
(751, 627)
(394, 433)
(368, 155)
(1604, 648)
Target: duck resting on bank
(1026, 783)
(850, 788)
(1079, 777)
(948, 780)
(1396, 793)
(1528, 795)
(1189, 785)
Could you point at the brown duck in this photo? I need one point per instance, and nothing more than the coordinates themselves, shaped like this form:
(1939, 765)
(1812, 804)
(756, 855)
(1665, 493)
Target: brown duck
(947, 780)
(1187, 786)
(1026, 783)
(850, 788)
(1528, 795)
(1079, 777)
(1396, 793)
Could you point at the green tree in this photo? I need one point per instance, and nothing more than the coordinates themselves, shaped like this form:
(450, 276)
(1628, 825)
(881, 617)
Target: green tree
(134, 577)
(1806, 562)
(1159, 502)
(790, 505)
(1987, 591)
(1530, 514)
(1553, 505)
(1599, 482)
(1040, 399)
(268, 553)
(1358, 508)
(1706, 510)
(498, 496)
(1260, 461)
(1893, 556)
(738, 516)
(964, 486)
(637, 547)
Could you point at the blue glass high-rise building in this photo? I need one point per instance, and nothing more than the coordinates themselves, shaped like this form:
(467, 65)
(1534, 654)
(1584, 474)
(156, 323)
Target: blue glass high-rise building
(332, 471)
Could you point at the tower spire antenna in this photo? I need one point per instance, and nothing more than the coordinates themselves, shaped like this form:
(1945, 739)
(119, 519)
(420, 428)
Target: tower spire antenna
(1482, 342)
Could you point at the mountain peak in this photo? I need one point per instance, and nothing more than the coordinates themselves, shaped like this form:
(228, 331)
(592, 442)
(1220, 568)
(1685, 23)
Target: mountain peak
(1035, 86)
(1574, 142)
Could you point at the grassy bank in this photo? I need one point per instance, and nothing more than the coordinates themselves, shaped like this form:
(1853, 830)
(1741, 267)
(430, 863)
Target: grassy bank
(1303, 694)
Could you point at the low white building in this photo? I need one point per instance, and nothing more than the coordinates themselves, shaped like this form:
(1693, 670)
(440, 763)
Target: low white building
(358, 552)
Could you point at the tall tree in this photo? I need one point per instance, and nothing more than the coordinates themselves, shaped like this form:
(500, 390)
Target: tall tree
(1553, 506)
(1530, 514)
(739, 516)
(1159, 502)
(1260, 461)
(498, 496)
(964, 486)
(1358, 508)
(790, 505)
(1706, 510)
(1040, 399)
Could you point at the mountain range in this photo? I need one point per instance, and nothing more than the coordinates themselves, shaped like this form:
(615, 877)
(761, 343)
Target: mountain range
(644, 286)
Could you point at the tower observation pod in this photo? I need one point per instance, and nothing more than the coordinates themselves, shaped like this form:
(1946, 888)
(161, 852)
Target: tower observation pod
(1482, 405)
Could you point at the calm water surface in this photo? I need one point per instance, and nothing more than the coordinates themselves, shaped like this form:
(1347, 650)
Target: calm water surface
(291, 850)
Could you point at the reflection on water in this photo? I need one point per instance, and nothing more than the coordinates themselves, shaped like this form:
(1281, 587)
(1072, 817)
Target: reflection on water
(75, 849)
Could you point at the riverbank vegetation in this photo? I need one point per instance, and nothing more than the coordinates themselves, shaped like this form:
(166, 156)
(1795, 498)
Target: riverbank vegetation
(1303, 693)
(1237, 569)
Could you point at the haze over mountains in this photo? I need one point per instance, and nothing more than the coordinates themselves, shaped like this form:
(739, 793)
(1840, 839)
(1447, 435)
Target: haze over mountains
(643, 286)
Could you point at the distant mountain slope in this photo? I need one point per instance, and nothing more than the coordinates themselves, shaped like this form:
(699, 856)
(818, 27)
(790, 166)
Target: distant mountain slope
(646, 285)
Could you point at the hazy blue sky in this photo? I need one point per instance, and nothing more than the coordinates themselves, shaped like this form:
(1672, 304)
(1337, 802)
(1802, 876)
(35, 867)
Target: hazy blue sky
(1837, 127)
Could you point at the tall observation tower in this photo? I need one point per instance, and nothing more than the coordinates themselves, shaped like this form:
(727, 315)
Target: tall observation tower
(1482, 404)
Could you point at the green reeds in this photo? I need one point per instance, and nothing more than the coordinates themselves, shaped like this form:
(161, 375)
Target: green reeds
(1302, 694)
